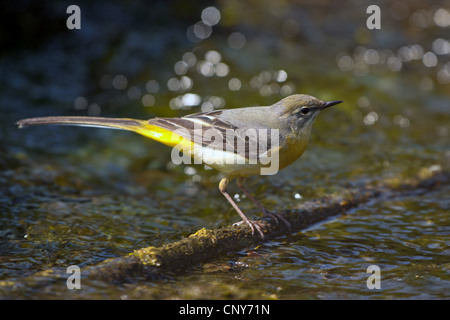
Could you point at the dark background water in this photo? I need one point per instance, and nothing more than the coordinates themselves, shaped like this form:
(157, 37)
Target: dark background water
(81, 195)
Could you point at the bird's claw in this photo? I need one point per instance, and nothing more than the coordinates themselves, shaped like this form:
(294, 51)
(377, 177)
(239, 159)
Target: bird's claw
(253, 225)
(276, 216)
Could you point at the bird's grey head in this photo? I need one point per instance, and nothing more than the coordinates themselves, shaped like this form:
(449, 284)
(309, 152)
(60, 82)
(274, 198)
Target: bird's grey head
(302, 109)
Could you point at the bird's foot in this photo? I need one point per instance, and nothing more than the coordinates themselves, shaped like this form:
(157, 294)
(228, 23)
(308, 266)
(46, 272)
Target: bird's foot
(276, 216)
(253, 225)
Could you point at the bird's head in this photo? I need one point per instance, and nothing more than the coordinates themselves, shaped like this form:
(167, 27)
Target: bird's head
(301, 109)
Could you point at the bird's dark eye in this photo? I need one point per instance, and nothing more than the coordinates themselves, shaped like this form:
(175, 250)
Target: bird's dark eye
(304, 110)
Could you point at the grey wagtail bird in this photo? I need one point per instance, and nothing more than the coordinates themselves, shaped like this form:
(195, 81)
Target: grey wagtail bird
(233, 141)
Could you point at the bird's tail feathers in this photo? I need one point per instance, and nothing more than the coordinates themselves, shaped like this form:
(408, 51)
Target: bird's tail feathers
(143, 127)
(113, 123)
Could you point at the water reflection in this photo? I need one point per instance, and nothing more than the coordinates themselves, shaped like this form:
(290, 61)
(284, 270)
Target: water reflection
(441, 46)
(442, 18)
(202, 30)
(434, 55)
(119, 82)
(236, 40)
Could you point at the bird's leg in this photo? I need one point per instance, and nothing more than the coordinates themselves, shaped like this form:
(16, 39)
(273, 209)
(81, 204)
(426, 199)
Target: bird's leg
(274, 215)
(253, 225)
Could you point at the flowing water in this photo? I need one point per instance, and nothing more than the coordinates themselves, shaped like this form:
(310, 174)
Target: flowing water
(78, 196)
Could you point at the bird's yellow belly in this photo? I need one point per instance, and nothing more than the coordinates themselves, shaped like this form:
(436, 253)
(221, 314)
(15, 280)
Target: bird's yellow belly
(291, 152)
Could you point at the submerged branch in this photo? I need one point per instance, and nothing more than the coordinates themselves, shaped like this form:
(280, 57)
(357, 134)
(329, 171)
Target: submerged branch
(205, 245)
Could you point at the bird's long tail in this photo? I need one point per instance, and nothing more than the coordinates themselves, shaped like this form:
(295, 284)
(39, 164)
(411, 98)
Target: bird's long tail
(143, 127)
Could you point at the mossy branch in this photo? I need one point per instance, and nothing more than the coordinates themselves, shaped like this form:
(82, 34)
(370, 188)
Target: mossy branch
(205, 245)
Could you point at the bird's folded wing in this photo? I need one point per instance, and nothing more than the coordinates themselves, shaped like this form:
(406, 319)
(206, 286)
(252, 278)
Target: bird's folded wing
(209, 131)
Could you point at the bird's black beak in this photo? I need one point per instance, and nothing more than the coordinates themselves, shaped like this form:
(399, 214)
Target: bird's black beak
(328, 104)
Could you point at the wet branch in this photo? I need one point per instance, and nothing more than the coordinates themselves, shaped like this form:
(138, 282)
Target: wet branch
(205, 245)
